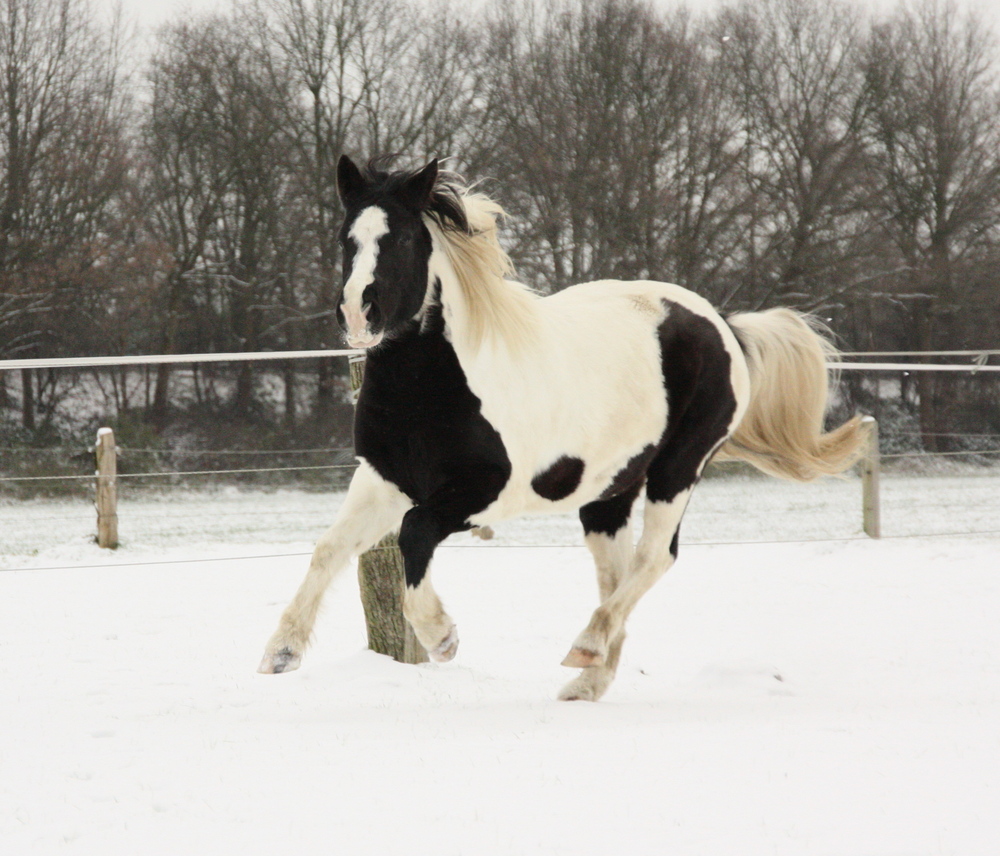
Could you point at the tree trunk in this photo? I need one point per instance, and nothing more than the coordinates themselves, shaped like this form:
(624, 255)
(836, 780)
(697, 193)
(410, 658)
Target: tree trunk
(28, 399)
(324, 389)
(161, 396)
(925, 381)
(288, 376)
(243, 401)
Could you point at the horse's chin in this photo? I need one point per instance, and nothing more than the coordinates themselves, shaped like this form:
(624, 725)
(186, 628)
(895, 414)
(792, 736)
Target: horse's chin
(365, 342)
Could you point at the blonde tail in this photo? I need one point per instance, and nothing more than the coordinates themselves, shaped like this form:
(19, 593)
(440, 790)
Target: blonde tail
(782, 430)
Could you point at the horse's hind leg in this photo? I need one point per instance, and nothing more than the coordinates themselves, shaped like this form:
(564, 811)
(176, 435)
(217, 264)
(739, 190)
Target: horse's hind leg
(608, 535)
(670, 479)
(372, 508)
(654, 555)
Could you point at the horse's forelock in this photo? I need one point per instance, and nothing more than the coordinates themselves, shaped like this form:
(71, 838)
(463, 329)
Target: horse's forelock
(445, 205)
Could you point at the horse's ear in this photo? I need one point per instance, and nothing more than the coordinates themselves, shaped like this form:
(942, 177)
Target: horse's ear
(350, 182)
(417, 190)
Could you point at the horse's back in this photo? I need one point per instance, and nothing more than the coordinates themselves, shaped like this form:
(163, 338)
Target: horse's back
(636, 303)
(627, 311)
(599, 387)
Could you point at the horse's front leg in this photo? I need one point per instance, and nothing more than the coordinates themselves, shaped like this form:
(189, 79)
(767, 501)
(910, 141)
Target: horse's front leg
(372, 508)
(424, 527)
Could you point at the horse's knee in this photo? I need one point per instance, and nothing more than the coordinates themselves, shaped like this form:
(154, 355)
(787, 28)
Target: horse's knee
(419, 535)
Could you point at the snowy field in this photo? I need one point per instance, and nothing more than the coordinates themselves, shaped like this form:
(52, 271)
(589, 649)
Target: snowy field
(50, 533)
(837, 697)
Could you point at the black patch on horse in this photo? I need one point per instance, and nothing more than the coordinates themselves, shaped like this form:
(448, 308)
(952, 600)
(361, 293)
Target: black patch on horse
(609, 513)
(419, 426)
(700, 400)
(632, 474)
(700, 406)
(559, 480)
(609, 516)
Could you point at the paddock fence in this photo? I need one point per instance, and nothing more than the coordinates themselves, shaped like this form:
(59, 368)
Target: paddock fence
(958, 476)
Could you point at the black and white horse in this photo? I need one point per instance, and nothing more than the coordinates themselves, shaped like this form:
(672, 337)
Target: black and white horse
(482, 400)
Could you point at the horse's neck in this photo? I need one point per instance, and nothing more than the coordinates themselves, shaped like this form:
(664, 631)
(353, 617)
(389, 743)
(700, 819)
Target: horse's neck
(495, 344)
(444, 287)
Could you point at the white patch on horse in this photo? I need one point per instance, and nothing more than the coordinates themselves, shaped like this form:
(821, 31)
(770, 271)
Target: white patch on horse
(575, 393)
(433, 627)
(369, 227)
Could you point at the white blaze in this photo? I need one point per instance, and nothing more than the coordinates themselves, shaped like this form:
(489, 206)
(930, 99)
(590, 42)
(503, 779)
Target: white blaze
(370, 225)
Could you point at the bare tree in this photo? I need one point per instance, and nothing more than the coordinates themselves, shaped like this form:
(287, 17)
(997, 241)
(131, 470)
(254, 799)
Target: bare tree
(247, 253)
(934, 134)
(421, 81)
(701, 210)
(221, 190)
(63, 160)
(185, 175)
(588, 110)
(369, 78)
(798, 83)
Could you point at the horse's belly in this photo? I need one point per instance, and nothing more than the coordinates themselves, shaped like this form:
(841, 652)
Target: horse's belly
(532, 493)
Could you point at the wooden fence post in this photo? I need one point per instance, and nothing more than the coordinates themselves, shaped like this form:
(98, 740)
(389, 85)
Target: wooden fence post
(380, 573)
(870, 469)
(107, 489)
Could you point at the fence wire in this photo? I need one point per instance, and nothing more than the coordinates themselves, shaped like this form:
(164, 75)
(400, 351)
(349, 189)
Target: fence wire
(184, 473)
(487, 546)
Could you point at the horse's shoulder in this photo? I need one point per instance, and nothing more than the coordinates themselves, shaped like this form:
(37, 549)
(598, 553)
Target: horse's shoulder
(418, 423)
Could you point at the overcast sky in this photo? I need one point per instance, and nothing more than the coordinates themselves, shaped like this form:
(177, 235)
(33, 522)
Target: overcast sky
(148, 13)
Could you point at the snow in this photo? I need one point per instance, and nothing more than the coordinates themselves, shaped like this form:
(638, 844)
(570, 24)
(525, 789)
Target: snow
(810, 698)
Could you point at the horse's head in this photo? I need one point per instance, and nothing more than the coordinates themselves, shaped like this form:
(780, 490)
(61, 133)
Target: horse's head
(386, 248)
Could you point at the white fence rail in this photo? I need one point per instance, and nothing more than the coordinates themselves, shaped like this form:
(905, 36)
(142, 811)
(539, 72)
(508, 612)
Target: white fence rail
(167, 359)
(190, 359)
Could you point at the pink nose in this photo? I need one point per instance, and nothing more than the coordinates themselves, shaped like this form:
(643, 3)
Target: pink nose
(359, 333)
(356, 320)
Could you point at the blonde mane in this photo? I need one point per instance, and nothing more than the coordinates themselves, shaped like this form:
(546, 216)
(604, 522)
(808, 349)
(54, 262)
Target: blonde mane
(495, 307)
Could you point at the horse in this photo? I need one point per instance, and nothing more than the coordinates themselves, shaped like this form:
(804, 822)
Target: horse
(483, 400)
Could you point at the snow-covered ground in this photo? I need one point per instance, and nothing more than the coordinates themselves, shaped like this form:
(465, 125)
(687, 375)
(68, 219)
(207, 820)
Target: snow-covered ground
(839, 697)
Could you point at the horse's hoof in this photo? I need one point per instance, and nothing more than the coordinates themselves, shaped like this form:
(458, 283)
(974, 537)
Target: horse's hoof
(285, 660)
(581, 658)
(446, 649)
(590, 685)
(573, 692)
